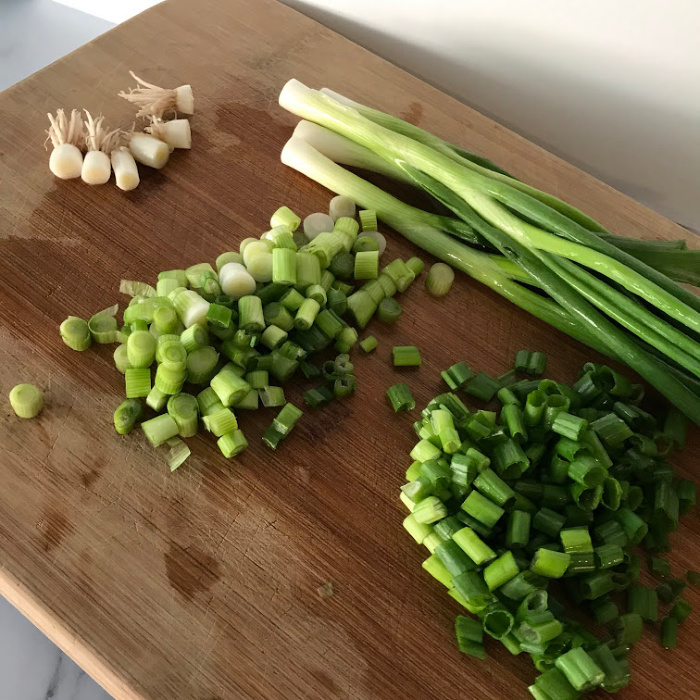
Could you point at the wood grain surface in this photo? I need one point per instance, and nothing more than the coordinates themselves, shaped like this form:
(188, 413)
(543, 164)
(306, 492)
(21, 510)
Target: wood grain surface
(203, 584)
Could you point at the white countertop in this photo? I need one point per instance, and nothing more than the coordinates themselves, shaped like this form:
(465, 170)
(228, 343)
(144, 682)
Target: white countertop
(612, 88)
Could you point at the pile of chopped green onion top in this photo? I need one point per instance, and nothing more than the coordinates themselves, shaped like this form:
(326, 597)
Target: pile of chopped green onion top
(565, 483)
(225, 338)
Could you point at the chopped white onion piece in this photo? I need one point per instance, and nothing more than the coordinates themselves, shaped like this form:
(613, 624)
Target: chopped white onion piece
(341, 206)
(260, 267)
(253, 249)
(317, 223)
(236, 281)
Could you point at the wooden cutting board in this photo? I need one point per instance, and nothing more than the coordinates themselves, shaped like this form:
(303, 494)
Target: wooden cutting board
(203, 584)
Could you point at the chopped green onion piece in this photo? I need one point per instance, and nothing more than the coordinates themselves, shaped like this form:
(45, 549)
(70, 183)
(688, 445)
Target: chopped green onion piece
(138, 382)
(482, 387)
(472, 587)
(473, 546)
(365, 244)
(141, 349)
(220, 422)
(481, 508)
(317, 293)
(659, 566)
(224, 258)
(369, 344)
(121, 360)
(366, 265)
(406, 356)
(272, 396)
(219, 316)
(201, 365)
(206, 399)
(587, 471)
(180, 276)
(249, 402)
(548, 521)
(439, 280)
(608, 555)
(549, 563)
(250, 314)
(576, 540)
(459, 374)
(389, 310)
(159, 429)
(644, 602)
(229, 386)
(494, 488)
(419, 531)
(103, 326)
(415, 265)
(430, 510)
(177, 454)
(368, 219)
(284, 216)
(470, 636)
(330, 323)
(634, 527)
(518, 529)
(501, 571)
(604, 610)
(76, 333)
(400, 397)
(569, 426)
(681, 610)
(194, 337)
(184, 410)
(553, 685)
(669, 630)
(306, 315)
(675, 428)
(156, 399)
(308, 270)
(628, 629)
(580, 669)
(26, 400)
(232, 444)
(512, 418)
(342, 266)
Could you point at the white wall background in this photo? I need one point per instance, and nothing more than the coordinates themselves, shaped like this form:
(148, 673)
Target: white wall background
(610, 85)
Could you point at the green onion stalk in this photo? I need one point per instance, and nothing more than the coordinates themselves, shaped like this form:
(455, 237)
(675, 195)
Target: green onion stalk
(596, 292)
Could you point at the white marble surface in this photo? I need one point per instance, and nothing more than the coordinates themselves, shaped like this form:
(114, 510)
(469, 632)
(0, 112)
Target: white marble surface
(612, 89)
(32, 668)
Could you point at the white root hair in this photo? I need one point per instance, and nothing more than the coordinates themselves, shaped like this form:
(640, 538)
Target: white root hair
(151, 99)
(98, 138)
(156, 127)
(65, 130)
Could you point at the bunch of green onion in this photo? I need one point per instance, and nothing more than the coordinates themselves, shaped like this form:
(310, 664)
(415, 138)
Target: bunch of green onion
(620, 296)
(225, 338)
(562, 484)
